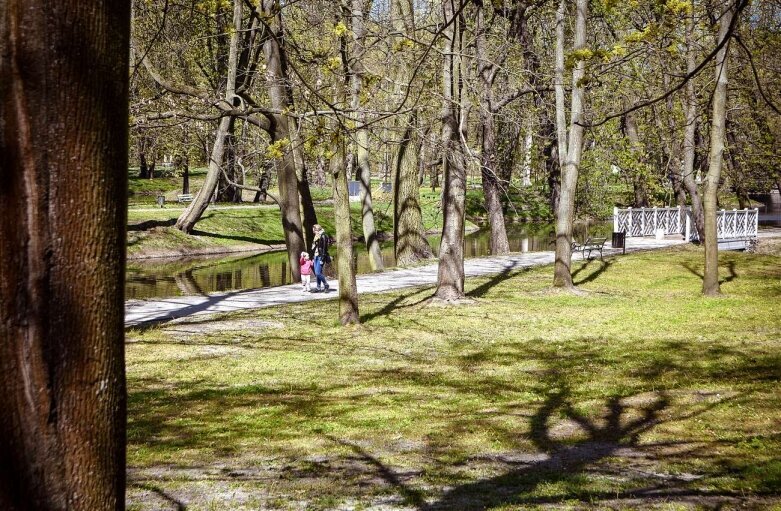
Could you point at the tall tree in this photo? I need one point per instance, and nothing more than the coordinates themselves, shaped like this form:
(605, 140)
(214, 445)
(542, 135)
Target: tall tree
(276, 71)
(710, 281)
(492, 186)
(187, 220)
(63, 201)
(357, 21)
(570, 137)
(348, 291)
(450, 276)
(408, 232)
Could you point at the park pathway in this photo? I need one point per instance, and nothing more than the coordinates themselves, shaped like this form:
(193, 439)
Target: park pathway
(144, 312)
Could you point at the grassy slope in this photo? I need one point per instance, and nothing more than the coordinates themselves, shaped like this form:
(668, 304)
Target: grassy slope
(641, 389)
(150, 231)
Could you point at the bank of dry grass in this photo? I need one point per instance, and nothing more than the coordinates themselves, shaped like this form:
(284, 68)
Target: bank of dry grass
(640, 394)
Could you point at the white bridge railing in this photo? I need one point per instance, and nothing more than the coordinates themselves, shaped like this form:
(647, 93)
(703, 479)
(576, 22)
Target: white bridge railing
(638, 222)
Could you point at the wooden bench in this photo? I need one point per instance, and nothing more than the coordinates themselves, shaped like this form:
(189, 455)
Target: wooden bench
(185, 197)
(590, 245)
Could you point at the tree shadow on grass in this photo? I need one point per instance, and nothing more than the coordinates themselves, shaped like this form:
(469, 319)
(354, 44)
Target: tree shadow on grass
(235, 237)
(173, 501)
(495, 280)
(151, 224)
(570, 447)
(565, 460)
(729, 278)
(393, 305)
(561, 462)
(594, 275)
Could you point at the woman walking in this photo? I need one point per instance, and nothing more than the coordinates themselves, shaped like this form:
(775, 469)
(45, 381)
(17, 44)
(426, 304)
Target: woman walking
(321, 257)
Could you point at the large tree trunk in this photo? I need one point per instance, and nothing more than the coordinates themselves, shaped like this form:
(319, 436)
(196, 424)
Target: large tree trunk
(63, 205)
(710, 281)
(348, 291)
(689, 134)
(226, 192)
(492, 188)
(570, 147)
(362, 136)
(408, 232)
(450, 278)
(287, 179)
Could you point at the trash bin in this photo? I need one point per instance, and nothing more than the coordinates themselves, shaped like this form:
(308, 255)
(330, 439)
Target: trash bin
(619, 240)
(659, 233)
(161, 200)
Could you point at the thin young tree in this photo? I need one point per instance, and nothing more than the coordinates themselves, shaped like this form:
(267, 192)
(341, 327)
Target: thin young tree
(492, 186)
(570, 138)
(63, 202)
(710, 281)
(690, 129)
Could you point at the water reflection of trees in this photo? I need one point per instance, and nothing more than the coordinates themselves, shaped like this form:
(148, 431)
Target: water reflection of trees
(208, 275)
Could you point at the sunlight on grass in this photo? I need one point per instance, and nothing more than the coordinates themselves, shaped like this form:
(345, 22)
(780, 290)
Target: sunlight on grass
(526, 398)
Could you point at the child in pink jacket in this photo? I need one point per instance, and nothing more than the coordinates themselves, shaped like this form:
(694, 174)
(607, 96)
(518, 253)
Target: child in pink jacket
(306, 271)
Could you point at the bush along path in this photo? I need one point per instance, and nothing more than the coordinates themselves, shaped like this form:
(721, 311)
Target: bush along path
(166, 309)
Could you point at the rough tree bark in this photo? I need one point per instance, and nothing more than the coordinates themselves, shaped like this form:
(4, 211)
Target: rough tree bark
(492, 190)
(408, 232)
(710, 281)
(357, 14)
(570, 141)
(348, 291)
(63, 200)
(276, 74)
(450, 277)
(226, 192)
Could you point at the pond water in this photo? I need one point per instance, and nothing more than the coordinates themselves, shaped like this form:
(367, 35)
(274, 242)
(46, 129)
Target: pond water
(193, 276)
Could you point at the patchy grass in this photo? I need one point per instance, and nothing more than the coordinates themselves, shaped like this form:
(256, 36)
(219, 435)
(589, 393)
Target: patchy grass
(641, 394)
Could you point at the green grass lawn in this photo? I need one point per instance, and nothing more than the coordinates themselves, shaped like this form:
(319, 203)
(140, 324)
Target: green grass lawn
(640, 394)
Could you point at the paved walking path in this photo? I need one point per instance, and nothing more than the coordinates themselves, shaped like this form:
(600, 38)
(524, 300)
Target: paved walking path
(140, 312)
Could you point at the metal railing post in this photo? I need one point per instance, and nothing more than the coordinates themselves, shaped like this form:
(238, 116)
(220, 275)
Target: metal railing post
(615, 219)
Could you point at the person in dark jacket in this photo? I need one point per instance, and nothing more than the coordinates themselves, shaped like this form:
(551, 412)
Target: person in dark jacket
(321, 257)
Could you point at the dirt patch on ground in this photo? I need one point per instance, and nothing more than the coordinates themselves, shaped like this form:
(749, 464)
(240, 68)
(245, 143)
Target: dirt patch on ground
(363, 481)
(201, 327)
(768, 246)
